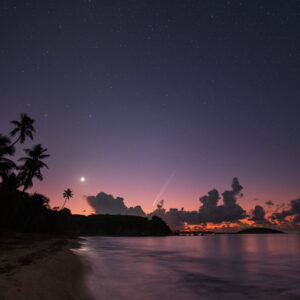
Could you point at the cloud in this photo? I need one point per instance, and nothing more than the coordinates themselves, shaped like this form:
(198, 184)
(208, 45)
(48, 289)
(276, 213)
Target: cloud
(258, 215)
(297, 219)
(214, 208)
(293, 212)
(175, 218)
(107, 204)
(209, 211)
(295, 204)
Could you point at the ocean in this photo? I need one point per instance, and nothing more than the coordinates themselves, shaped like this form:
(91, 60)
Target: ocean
(229, 266)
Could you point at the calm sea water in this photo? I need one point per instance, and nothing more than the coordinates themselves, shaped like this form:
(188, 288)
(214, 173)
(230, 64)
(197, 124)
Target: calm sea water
(193, 267)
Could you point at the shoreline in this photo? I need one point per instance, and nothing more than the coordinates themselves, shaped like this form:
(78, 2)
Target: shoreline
(41, 267)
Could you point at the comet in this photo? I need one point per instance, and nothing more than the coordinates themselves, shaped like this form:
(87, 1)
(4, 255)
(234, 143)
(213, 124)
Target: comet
(163, 188)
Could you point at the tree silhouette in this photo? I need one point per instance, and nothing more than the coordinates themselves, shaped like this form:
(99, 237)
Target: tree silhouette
(10, 182)
(6, 165)
(67, 194)
(160, 204)
(24, 128)
(32, 165)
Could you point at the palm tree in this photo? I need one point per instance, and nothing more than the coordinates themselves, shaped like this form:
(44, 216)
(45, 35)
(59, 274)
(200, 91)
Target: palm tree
(24, 128)
(6, 165)
(32, 165)
(67, 194)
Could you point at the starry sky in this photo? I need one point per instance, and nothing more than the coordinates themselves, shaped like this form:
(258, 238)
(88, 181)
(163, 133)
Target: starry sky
(150, 99)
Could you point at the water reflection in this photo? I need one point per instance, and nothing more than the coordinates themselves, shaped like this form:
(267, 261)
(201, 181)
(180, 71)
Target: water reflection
(209, 267)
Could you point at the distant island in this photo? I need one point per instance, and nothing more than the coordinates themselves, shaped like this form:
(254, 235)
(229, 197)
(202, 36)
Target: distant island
(259, 230)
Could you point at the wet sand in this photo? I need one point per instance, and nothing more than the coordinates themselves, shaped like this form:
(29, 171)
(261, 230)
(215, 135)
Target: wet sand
(40, 267)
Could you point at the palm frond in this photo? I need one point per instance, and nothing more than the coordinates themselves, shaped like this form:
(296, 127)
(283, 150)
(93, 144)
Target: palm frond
(14, 132)
(17, 123)
(24, 127)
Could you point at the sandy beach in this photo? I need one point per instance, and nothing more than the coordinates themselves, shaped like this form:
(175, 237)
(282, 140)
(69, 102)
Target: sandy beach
(40, 267)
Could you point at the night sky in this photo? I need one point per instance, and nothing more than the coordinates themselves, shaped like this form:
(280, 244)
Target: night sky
(140, 95)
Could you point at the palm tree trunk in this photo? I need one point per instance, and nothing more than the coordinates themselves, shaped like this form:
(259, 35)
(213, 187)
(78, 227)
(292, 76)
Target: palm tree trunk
(15, 141)
(25, 186)
(26, 182)
(64, 204)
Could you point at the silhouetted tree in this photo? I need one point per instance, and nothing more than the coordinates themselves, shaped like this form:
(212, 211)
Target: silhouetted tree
(67, 194)
(40, 200)
(6, 165)
(10, 182)
(160, 204)
(24, 128)
(32, 165)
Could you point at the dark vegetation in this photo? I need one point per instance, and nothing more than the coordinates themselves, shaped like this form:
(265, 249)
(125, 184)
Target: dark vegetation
(25, 212)
(118, 225)
(259, 230)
